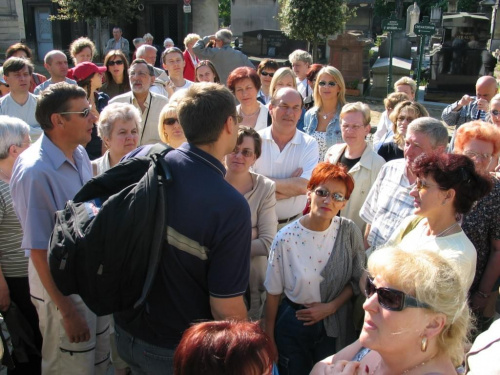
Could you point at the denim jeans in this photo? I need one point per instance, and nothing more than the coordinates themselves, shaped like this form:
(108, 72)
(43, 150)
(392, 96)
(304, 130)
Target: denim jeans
(143, 358)
(299, 346)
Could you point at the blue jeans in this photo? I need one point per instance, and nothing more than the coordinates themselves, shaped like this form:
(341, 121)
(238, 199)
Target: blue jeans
(299, 346)
(143, 358)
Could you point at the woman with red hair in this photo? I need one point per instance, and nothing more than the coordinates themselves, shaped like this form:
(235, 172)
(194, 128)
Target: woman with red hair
(244, 83)
(316, 261)
(480, 141)
(224, 348)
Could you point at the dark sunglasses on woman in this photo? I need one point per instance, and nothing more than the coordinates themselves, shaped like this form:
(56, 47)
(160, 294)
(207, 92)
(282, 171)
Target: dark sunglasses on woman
(392, 299)
(116, 62)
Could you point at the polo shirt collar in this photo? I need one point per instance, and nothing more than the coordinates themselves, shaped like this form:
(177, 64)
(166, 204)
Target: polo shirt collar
(267, 135)
(203, 157)
(55, 154)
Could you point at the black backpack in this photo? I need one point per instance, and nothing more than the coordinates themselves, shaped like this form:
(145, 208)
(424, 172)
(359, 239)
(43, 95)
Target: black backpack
(107, 241)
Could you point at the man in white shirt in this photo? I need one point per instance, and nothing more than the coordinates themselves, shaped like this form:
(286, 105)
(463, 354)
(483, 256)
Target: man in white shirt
(301, 61)
(141, 75)
(20, 102)
(148, 53)
(288, 155)
(56, 63)
(173, 61)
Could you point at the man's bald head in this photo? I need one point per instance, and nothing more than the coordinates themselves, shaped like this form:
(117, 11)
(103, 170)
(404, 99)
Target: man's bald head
(486, 87)
(51, 54)
(278, 94)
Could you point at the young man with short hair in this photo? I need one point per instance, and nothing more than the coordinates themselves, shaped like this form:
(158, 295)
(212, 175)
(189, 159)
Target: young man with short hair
(173, 61)
(301, 61)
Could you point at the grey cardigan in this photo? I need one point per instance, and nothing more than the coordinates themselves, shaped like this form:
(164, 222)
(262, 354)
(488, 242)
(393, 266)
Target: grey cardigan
(345, 265)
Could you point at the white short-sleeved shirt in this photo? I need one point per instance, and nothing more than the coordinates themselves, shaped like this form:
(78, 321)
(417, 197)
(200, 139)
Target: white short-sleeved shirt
(456, 248)
(186, 85)
(25, 112)
(298, 256)
(302, 151)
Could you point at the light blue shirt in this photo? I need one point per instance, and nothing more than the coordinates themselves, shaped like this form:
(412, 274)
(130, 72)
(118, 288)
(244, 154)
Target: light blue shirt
(42, 86)
(333, 132)
(43, 179)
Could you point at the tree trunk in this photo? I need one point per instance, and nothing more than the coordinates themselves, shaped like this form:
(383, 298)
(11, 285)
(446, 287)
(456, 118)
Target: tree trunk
(315, 51)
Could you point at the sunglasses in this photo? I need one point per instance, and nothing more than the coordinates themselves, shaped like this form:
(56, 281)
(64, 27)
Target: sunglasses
(494, 112)
(323, 193)
(170, 121)
(245, 152)
(403, 118)
(392, 299)
(116, 62)
(330, 83)
(265, 74)
(419, 185)
(84, 113)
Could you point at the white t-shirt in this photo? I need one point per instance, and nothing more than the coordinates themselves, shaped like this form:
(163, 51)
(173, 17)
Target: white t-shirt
(304, 88)
(456, 248)
(25, 112)
(302, 151)
(298, 256)
(186, 85)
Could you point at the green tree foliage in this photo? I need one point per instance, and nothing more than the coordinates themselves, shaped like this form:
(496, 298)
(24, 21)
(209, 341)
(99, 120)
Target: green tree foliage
(225, 12)
(313, 20)
(88, 10)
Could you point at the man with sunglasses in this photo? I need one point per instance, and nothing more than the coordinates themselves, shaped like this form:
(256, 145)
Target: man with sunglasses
(470, 108)
(205, 266)
(44, 177)
(288, 155)
(389, 200)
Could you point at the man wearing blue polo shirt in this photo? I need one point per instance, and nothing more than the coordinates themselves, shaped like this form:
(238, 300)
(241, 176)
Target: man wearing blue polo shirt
(204, 268)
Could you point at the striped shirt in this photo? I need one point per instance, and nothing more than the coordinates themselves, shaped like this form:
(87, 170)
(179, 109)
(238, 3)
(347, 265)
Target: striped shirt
(12, 259)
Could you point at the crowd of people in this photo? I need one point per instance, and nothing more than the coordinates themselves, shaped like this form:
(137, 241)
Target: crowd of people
(295, 243)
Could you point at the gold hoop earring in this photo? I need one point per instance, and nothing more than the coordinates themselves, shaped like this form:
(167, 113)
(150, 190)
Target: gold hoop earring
(423, 344)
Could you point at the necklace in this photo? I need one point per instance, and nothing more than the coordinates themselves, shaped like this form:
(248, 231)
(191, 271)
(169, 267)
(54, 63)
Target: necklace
(325, 115)
(447, 229)
(5, 174)
(407, 370)
(250, 115)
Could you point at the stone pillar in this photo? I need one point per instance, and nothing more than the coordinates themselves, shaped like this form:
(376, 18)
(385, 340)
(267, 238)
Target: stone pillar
(205, 17)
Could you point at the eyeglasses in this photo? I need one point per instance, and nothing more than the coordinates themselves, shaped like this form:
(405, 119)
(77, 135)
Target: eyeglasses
(237, 118)
(329, 83)
(170, 121)
(245, 152)
(323, 193)
(403, 118)
(353, 127)
(265, 74)
(495, 112)
(116, 62)
(477, 155)
(392, 299)
(84, 113)
(419, 185)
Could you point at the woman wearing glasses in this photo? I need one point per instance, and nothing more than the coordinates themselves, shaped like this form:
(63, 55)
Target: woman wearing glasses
(244, 83)
(447, 186)
(494, 114)
(205, 72)
(316, 261)
(404, 113)
(259, 191)
(117, 81)
(169, 128)
(266, 70)
(323, 120)
(416, 318)
(480, 141)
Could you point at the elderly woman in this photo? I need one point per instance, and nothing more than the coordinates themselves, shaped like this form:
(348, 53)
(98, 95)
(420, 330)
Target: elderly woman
(119, 128)
(117, 80)
(316, 261)
(480, 141)
(224, 347)
(266, 70)
(14, 285)
(447, 186)
(357, 155)
(244, 83)
(323, 120)
(82, 50)
(259, 191)
(384, 131)
(404, 113)
(189, 56)
(416, 318)
(205, 72)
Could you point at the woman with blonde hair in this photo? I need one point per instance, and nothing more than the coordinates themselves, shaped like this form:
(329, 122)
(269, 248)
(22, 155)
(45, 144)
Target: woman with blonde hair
(169, 128)
(416, 318)
(323, 120)
(189, 56)
(402, 115)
